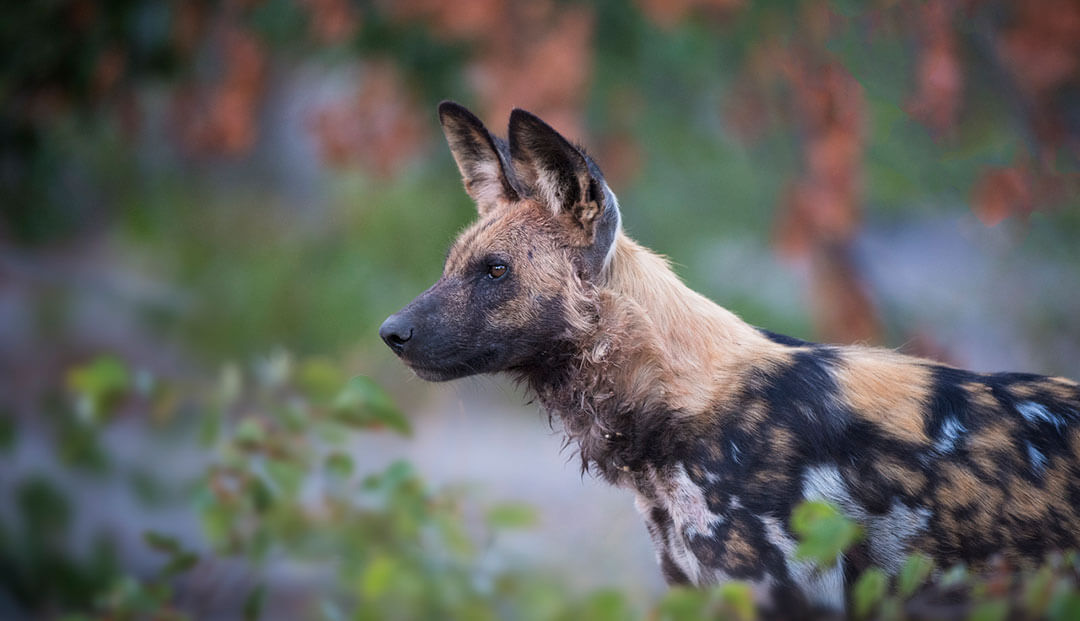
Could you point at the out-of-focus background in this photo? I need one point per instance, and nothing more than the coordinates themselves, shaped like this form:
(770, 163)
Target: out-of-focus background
(207, 208)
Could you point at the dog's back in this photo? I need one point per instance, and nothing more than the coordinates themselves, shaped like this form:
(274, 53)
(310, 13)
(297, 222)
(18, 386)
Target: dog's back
(958, 465)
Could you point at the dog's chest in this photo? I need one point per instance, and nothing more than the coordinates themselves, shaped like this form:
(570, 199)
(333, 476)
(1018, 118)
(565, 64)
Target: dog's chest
(705, 533)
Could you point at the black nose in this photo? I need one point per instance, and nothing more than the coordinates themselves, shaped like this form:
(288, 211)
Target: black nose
(395, 332)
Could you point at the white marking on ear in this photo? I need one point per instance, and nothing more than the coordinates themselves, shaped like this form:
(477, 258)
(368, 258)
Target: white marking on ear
(612, 203)
(548, 188)
(486, 187)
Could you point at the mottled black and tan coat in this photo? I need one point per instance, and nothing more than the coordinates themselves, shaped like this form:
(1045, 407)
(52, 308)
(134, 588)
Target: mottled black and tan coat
(720, 428)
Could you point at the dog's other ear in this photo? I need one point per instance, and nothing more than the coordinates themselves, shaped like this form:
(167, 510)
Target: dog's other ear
(568, 182)
(547, 162)
(482, 158)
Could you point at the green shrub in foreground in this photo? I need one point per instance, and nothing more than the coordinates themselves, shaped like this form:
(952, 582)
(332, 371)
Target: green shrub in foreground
(284, 488)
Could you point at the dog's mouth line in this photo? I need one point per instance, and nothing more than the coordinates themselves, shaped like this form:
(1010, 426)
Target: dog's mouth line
(471, 366)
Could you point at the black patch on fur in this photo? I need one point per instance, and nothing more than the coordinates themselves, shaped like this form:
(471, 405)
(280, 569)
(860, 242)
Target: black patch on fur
(948, 399)
(783, 339)
(472, 146)
(673, 576)
(804, 395)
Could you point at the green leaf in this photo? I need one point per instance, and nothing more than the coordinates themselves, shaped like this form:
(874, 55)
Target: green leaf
(511, 515)
(179, 564)
(606, 605)
(230, 384)
(286, 475)
(319, 379)
(339, 465)
(100, 382)
(914, 573)
(1066, 606)
(823, 531)
(891, 609)
(250, 433)
(1071, 559)
(254, 602)
(217, 521)
(955, 576)
(682, 604)
(1038, 589)
(378, 577)
(9, 432)
(162, 543)
(868, 591)
(363, 403)
(210, 427)
(997, 610)
(738, 601)
(262, 496)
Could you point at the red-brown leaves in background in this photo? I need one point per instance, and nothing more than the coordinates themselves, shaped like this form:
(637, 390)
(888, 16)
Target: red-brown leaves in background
(223, 120)
(668, 13)
(540, 60)
(108, 70)
(331, 21)
(939, 76)
(189, 25)
(462, 19)
(379, 127)
(1002, 192)
(534, 55)
(843, 310)
(819, 214)
(1040, 48)
(823, 205)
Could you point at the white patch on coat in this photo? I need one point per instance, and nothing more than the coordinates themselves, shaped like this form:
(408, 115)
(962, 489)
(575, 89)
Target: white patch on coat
(887, 535)
(1038, 460)
(664, 540)
(822, 588)
(949, 434)
(825, 483)
(687, 505)
(1037, 413)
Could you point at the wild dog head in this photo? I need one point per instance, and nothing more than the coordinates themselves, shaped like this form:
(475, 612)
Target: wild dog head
(513, 280)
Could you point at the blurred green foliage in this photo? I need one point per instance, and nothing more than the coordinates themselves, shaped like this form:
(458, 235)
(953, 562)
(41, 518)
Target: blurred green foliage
(283, 490)
(252, 272)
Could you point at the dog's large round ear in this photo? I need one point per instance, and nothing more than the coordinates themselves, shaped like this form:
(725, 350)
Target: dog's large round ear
(568, 182)
(482, 158)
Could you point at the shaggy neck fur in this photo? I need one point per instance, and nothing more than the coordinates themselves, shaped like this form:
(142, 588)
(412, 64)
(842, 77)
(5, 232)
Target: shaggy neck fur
(629, 376)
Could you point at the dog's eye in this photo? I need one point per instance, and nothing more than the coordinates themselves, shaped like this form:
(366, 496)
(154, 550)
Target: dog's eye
(496, 271)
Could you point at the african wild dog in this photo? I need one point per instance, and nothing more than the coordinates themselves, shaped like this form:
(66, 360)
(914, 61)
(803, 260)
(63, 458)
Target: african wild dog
(718, 427)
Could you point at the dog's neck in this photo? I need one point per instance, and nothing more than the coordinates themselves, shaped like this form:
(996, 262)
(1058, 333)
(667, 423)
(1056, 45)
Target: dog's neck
(697, 348)
(653, 353)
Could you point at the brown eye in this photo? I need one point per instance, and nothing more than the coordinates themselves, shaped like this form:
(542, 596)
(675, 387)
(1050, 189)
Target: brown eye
(496, 271)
